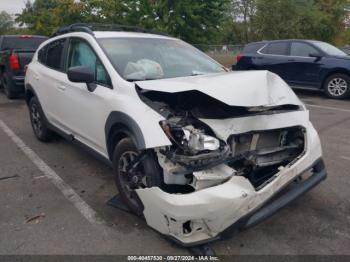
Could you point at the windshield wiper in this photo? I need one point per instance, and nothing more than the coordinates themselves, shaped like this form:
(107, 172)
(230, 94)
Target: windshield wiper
(145, 79)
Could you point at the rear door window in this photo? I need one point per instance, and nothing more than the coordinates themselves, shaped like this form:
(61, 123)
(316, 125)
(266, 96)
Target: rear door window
(276, 48)
(54, 54)
(302, 49)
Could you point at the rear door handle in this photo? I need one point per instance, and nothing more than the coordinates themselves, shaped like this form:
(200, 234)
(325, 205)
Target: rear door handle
(36, 77)
(291, 60)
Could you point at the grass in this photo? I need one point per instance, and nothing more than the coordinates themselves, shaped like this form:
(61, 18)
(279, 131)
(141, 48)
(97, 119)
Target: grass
(226, 59)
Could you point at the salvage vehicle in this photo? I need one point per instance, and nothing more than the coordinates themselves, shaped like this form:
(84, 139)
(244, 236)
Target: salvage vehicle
(196, 150)
(16, 51)
(305, 64)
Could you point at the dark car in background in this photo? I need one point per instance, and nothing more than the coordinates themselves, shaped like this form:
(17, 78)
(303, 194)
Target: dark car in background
(301, 63)
(16, 51)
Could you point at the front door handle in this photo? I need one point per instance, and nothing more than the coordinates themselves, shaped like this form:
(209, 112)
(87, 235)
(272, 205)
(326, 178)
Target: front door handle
(291, 60)
(61, 87)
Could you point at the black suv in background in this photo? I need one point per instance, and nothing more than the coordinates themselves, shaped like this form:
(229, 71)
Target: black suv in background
(16, 51)
(301, 63)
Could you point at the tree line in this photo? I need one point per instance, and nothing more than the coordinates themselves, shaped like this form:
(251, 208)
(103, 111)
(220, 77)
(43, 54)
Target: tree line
(195, 21)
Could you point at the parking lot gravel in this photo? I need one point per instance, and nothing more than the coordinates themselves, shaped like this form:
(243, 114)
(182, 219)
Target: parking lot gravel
(39, 217)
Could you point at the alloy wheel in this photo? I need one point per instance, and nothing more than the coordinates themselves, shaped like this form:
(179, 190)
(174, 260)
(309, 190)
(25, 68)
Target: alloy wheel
(36, 120)
(133, 179)
(337, 87)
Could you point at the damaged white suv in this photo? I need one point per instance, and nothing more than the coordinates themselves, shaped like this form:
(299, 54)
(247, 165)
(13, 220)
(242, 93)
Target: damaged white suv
(196, 150)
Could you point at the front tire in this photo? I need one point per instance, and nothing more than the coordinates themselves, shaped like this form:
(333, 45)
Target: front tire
(37, 119)
(147, 174)
(337, 86)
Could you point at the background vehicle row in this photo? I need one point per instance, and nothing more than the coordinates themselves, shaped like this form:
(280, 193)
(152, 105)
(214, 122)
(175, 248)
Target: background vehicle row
(305, 64)
(16, 51)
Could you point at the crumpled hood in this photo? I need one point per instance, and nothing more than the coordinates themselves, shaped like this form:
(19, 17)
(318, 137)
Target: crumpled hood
(241, 88)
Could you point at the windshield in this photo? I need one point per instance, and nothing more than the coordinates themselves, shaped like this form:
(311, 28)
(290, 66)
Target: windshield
(152, 58)
(329, 49)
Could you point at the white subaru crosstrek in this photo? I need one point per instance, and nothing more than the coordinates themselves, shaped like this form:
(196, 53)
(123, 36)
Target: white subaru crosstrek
(197, 151)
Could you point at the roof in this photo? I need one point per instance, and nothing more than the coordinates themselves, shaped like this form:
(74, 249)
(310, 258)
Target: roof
(108, 30)
(283, 40)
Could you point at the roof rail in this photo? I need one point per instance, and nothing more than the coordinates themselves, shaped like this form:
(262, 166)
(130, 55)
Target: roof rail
(89, 28)
(77, 27)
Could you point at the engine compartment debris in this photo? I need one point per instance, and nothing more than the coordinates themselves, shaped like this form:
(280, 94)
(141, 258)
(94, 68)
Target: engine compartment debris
(199, 159)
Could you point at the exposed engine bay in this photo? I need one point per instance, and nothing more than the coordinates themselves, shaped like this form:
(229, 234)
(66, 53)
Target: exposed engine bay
(198, 159)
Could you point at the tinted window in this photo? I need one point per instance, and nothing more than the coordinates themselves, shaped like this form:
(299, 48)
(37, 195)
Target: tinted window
(42, 55)
(22, 42)
(54, 54)
(80, 53)
(329, 49)
(302, 49)
(252, 48)
(279, 48)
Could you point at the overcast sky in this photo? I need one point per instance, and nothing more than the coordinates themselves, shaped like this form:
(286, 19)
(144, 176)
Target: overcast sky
(12, 6)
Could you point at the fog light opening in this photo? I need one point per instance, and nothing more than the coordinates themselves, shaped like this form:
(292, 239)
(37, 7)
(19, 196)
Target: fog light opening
(187, 227)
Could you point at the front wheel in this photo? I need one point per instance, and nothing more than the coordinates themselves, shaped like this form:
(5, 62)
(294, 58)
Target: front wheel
(337, 86)
(146, 173)
(38, 122)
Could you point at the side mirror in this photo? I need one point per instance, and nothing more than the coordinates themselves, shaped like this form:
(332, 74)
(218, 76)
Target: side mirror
(316, 55)
(82, 74)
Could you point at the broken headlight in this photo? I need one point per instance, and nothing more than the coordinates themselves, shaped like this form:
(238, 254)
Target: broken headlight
(194, 145)
(190, 139)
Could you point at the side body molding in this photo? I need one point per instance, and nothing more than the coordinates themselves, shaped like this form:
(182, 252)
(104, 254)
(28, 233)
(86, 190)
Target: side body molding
(120, 123)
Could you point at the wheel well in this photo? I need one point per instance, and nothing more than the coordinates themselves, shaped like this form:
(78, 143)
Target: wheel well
(28, 95)
(118, 126)
(116, 134)
(338, 71)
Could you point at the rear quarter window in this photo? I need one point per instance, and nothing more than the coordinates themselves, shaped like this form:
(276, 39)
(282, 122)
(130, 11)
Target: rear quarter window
(276, 48)
(42, 55)
(52, 54)
(253, 48)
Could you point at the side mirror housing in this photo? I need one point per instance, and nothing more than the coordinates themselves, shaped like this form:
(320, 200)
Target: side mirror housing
(316, 55)
(82, 74)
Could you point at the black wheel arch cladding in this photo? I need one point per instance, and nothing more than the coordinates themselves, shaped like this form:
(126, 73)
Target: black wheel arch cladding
(29, 93)
(120, 125)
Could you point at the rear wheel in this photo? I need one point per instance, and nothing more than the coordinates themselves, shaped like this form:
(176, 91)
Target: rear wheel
(38, 122)
(146, 173)
(337, 86)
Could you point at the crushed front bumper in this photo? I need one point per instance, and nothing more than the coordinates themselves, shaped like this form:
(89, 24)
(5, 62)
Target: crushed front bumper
(257, 215)
(319, 174)
(208, 214)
